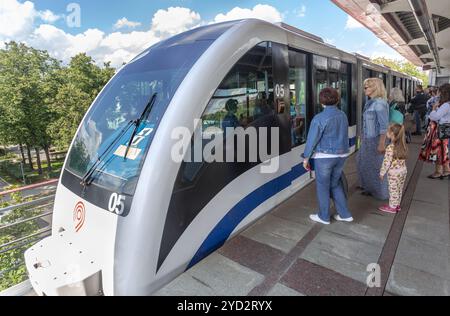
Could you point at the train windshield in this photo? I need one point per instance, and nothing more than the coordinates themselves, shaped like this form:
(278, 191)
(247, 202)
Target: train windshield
(103, 139)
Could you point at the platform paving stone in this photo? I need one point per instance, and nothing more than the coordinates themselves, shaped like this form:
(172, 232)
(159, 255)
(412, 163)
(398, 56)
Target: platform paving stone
(424, 229)
(340, 253)
(433, 213)
(282, 290)
(294, 212)
(360, 232)
(438, 195)
(252, 254)
(214, 276)
(407, 281)
(277, 233)
(424, 256)
(313, 280)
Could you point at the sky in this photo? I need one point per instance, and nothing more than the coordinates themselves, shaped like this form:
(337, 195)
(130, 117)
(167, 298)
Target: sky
(116, 31)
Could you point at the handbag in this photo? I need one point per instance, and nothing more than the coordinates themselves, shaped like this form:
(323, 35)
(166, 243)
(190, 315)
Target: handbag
(444, 131)
(395, 116)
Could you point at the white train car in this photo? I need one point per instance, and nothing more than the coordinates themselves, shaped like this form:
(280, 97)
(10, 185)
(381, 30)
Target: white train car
(128, 218)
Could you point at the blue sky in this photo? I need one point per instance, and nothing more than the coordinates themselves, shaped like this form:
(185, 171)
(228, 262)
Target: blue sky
(118, 30)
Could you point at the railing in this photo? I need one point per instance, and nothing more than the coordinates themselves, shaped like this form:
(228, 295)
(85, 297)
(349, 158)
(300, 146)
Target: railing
(22, 233)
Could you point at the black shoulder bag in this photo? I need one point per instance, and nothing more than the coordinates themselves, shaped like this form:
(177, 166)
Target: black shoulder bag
(444, 131)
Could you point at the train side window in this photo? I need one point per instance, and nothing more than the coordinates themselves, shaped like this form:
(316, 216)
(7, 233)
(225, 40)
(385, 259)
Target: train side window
(345, 90)
(320, 79)
(243, 99)
(366, 75)
(297, 93)
(246, 93)
(321, 83)
(334, 80)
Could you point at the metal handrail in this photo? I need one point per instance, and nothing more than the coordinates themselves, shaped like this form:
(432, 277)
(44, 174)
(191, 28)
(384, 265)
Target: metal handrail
(24, 244)
(27, 204)
(26, 220)
(40, 232)
(12, 268)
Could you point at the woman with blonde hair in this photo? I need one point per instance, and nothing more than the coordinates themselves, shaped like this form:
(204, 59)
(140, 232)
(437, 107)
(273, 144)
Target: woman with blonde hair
(373, 145)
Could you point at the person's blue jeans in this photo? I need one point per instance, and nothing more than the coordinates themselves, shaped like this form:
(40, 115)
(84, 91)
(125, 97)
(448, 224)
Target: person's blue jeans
(329, 185)
(418, 122)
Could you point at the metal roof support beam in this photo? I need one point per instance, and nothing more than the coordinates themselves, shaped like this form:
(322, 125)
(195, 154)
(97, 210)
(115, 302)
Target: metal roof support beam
(418, 41)
(396, 6)
(423, 18)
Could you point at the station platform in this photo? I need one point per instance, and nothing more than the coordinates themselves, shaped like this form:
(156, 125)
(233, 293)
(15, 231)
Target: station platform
(285, 254)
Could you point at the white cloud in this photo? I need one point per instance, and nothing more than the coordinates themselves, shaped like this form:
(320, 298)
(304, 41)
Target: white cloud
(301, 12)
(353, 24)
(116, 47)
(48, 16)
(174, 20)
(125, 23)
(16, 19)
(260, 11)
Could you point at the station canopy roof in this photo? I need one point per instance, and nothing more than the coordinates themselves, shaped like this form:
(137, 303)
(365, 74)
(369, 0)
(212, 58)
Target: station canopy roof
(418, 29)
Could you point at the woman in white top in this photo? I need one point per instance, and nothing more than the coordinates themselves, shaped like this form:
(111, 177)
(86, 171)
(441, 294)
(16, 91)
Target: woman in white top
(434, 149)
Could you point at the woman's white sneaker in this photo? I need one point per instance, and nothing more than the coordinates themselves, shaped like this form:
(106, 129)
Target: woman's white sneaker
(317, 219)
(340, 219)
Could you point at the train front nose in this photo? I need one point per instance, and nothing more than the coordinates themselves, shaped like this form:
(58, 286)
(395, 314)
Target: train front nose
(58, 266)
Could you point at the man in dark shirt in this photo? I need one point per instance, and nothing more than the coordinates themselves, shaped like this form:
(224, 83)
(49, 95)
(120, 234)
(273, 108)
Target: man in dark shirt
(419, 108)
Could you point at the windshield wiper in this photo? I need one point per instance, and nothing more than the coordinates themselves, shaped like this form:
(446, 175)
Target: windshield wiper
(138, 122)
(88, 176)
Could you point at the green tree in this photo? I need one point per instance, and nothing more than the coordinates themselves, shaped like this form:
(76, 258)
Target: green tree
(25, 74)
(83, 81)
(404, 67)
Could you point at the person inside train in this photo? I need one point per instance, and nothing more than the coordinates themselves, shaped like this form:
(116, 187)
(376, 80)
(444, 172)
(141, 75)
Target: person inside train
(230, 119)
(328, 145)
(262, 107)
(419, 108)
(373, 143)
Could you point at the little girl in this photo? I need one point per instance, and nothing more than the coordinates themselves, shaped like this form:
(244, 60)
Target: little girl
(394, 165)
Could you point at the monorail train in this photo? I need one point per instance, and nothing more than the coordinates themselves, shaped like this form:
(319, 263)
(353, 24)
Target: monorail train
(128, 218)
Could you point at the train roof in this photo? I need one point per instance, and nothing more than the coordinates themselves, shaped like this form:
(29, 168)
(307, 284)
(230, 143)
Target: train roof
(296, 38)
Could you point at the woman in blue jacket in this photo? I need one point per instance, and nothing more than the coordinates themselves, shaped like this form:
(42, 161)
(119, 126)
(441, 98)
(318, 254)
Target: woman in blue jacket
(328, 145)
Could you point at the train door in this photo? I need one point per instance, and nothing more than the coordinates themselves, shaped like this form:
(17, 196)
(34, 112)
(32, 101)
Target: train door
(408, 91)
(320, 79)
(366, 74)
(333, 78)
(345, 88)
(299, 112)
(281, 94)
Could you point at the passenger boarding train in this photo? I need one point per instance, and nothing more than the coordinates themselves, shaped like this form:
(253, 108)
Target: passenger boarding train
(128, 219)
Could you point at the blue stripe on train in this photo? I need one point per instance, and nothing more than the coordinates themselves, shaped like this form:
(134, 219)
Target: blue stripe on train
(243, 208)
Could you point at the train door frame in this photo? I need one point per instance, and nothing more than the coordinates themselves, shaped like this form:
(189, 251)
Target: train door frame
(309, 105)
(280, 71)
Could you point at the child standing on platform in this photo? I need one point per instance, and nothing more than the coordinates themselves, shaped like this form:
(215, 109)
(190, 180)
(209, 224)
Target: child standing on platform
(394, 165)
